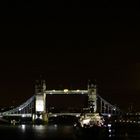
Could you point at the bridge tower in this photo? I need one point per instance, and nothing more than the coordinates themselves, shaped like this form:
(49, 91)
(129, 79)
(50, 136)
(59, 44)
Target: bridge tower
(92, 97)
(40, 101)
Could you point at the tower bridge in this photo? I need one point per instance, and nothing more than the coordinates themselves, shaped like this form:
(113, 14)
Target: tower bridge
(39, 106)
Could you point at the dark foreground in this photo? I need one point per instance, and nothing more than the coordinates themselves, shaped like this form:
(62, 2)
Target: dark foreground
(55, 132)
(45, 132)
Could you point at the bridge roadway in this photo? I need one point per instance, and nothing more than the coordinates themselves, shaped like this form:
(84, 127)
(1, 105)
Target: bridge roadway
(49, 115)
(16, 115)
(66, 91)
(61, 114)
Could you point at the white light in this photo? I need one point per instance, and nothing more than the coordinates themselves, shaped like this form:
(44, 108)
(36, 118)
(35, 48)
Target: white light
(23, 127)
(109, 115)
(77, 115)
(86, 121)
(75, 125)
(66, 90)
(33, 116)
(109, 130)
(109, 125)
(55, 125)
(20, 109)
(55, 115)
(39, 103)
(91, 106)
(23, 115)
(78, 90)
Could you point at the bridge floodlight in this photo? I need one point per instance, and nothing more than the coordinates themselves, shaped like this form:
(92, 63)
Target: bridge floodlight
(20, 109)
(23, 115)
(77, 115)
(66, 90)
(39, 103)
(109, 115)
(114, 109)
(109, 125)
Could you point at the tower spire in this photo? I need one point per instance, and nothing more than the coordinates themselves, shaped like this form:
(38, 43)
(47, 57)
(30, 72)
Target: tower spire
(91, 84)
(43, 85)
(36, 87)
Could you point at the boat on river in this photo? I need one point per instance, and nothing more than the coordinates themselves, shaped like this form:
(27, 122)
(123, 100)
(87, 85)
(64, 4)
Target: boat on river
(92, 125)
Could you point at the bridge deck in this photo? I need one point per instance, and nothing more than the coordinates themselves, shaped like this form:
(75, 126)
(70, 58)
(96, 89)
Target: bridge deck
(66, 91)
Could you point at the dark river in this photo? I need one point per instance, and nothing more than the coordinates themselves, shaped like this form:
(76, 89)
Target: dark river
(55, 132)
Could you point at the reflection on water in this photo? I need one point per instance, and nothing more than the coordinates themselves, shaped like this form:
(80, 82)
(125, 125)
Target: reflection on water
(46, 132)
(22, 127)
(36, 132)
(124, 131)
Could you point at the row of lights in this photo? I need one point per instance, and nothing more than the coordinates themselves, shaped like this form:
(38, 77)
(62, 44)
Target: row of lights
(128, 121)
(65, 90)
(133, 113)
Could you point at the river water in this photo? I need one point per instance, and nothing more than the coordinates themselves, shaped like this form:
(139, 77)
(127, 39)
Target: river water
(55, 132)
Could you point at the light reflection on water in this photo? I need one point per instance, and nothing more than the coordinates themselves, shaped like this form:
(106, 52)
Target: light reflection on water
(124, 131)
(46, 132)
(23, 127)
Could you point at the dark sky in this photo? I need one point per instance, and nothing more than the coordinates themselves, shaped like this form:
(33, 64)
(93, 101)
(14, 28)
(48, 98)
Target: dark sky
(69, 43)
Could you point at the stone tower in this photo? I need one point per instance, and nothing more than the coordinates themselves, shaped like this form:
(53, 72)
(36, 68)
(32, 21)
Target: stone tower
(92, 97)
(40, 100)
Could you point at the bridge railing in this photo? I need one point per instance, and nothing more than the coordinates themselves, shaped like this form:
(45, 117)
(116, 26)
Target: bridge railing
(19, 109)
(105, 105)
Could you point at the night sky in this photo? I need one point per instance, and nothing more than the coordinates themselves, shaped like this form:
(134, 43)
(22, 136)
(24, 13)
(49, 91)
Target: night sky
(68, 43)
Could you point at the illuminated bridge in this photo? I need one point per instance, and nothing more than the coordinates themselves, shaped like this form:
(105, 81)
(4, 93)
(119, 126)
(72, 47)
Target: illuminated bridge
(46, 103)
